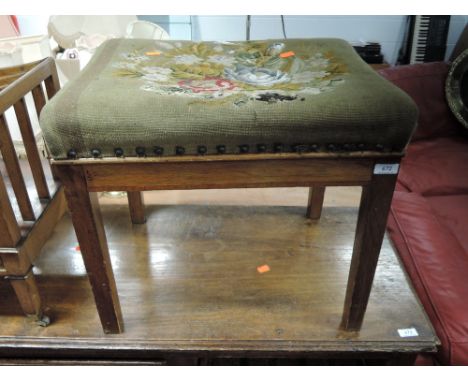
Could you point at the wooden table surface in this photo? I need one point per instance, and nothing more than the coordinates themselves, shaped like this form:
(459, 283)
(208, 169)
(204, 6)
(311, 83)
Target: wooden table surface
(188, 283)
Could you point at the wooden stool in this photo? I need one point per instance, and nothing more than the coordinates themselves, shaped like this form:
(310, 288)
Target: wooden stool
(21, 241)
(147, 115)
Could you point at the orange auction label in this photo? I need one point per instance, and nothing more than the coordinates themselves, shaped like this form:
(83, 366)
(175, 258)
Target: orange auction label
(263, 268)
(287, 54)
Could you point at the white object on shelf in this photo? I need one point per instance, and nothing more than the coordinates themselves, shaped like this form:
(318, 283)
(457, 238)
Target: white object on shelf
(146, 29)
(28, 49)
(67, 67)
(17, 51)
(92, 41)
(10, 54)
(66, 30)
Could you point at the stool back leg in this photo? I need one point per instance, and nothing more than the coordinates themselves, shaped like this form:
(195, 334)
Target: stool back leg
(136, 206)
(315, 204)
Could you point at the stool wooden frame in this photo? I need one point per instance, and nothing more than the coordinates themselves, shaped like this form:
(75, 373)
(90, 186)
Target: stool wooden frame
(82, 178)
(21, 241)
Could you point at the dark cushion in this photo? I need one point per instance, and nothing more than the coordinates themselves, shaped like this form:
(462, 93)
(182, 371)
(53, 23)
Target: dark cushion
(147, 97)
(436, 167)
(425, 83)
(437, 265)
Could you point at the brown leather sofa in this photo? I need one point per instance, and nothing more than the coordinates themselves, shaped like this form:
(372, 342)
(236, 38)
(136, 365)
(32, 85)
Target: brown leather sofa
(428, 222)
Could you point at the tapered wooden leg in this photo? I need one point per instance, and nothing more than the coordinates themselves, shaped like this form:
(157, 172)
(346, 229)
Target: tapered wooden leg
(314, 207)
(26, 291)
(372, 219)
(136, 206)
(28, 294)
(87, 221)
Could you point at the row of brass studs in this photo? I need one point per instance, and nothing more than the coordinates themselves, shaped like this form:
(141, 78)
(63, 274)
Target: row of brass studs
(243, 149)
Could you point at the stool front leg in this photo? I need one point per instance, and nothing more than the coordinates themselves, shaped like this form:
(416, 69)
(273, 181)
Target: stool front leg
(87, 221)
(372, 220)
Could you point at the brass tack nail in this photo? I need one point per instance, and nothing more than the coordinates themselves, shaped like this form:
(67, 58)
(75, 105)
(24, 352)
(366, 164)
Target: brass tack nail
(71, 153)
(300, 148)
(261, 148)
(96, 153)
(201, 150)
(140, 151)
(158, 150)
(379, 147)
(278, 147)
(244, 149)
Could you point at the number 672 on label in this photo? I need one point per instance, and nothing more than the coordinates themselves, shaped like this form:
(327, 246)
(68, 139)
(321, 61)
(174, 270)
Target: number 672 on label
(386, 168)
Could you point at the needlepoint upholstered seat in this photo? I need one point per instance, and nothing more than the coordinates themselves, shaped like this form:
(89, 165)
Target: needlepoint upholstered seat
(161, 115)
(152, 98)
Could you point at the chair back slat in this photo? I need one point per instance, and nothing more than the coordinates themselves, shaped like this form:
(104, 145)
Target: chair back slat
(39, 99)
(30, 146)
(10, 233)
(52, 82)
(10, 159)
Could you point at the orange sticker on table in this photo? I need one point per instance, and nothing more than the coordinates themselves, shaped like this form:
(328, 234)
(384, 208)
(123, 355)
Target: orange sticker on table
(287, 54)
(263, 268)
(155, 53)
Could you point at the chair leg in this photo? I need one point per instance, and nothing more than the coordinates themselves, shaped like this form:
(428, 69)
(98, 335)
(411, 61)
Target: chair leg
(89, 228)
(315, 204)
(136, 206)
(372, 219)
(28, 296)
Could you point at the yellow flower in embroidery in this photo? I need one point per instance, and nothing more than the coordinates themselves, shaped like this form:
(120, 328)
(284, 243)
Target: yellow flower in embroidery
(202, 70)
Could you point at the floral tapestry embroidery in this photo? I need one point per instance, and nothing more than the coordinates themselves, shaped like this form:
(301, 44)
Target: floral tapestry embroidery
(237, 72)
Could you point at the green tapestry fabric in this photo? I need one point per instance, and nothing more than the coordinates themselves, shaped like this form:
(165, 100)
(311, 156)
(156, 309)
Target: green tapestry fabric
(146, 97)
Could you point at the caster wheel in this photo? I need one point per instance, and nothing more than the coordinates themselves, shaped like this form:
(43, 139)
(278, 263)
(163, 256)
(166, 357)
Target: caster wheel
(43, 321)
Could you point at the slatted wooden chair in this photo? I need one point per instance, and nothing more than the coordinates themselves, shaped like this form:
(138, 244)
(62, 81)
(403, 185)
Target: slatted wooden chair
(27, 222)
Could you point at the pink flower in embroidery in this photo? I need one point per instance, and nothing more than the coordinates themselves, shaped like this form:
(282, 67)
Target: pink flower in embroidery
(208, 84)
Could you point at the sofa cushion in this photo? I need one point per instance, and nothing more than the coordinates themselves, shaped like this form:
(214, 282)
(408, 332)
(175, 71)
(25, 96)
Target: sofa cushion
(419, 80)
(437, 265)
(452, 211)
(436, 167)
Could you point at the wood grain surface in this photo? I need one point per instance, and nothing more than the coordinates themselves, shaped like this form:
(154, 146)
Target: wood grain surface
(188, 282)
